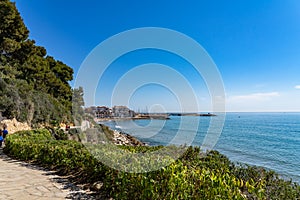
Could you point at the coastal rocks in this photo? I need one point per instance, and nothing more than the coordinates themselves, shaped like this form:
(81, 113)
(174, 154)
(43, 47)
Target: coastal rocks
(103, 135)
(13, 125)
(120, 138)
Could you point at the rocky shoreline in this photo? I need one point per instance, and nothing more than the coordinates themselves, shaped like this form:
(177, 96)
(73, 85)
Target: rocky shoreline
(121, 138)
(102, 134)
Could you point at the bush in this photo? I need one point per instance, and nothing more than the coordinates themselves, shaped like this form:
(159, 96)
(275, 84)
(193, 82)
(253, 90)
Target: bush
(194, 175)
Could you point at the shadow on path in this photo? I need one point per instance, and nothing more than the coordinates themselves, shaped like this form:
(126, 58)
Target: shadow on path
(75, 191)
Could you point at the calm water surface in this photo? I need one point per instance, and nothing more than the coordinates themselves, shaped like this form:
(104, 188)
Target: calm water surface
(271, 140)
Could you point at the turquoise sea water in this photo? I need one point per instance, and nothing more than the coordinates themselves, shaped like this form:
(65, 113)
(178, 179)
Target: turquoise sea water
(271, 140)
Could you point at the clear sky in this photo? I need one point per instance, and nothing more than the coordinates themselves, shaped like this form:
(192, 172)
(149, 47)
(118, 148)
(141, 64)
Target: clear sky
(255, 45)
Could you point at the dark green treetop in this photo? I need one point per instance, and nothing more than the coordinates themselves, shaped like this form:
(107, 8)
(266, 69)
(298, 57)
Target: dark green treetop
(34, 86)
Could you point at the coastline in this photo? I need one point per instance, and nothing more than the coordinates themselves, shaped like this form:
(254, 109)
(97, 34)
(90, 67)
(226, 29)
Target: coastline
(122, 138)
(115, 136)
(156, 116)
(112, 179)
(142, 117)
(240, 144)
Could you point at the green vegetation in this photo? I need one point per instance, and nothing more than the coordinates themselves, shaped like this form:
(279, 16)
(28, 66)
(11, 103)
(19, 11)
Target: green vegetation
(194, 175)
(34, 86)
(35, 89)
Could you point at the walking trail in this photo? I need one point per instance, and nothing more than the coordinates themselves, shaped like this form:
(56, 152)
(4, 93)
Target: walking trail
(20, 180)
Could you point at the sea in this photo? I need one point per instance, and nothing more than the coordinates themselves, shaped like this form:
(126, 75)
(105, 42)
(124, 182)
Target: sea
(270, 140)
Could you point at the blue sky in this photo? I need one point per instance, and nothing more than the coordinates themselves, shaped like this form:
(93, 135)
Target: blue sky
(255, 45)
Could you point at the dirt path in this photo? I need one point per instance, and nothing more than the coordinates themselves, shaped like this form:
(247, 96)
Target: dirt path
(20, 180)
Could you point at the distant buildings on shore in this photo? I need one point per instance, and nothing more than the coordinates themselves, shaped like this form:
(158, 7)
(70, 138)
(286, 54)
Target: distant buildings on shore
(122, 112)
(116, 112)
(101, 112)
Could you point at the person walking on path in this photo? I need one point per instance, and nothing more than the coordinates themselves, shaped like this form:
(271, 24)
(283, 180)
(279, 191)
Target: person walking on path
(4, 132)
(1, 138)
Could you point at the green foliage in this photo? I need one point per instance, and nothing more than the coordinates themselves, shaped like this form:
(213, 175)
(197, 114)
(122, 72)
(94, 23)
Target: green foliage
(78, 103)
(58, 133)
(107, 131)
(195, 175)
(12, 27)
(34, 86)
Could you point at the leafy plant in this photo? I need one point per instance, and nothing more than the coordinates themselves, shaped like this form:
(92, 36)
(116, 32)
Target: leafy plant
(195, 175)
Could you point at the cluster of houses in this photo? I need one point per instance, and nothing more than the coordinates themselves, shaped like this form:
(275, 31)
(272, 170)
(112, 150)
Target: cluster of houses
(101, 112)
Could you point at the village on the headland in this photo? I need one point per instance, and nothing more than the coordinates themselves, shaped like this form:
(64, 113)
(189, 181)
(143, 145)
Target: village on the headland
(102, 113)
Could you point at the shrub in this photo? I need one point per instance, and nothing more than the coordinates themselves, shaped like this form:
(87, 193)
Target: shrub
(194, 175)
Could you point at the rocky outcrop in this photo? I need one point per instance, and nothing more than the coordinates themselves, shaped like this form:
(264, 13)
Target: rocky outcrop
(103, 135)
(13, 125)
(120, 138)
